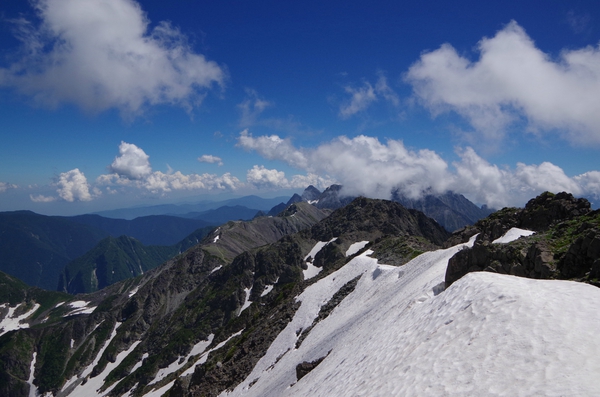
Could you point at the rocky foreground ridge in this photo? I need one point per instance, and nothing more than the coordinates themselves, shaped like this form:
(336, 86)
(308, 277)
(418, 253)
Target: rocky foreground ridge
(565, 245)
(198, 324)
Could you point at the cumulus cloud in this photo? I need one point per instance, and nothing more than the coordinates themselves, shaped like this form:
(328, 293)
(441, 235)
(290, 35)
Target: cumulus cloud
(366, 166)
(132, 162)
(73, 186)
(261, 177)
(101, 54)
(511, 81)
(4, 186)
(131, 168)
(362, 97)
(209, 158)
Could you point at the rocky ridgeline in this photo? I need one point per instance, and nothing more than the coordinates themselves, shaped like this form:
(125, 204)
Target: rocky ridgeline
(566, 244)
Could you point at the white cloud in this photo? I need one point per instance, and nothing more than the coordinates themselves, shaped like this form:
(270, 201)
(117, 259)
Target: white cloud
(365, 166)
(131, 163)
(260, 176)
(273, 147)
(101, 55)
(73, 186)
(39, 198)
(251, 107)
(209, 158)
(264, 178)
(160, 182)
(512, 79)
(4, 186)
(362, 97)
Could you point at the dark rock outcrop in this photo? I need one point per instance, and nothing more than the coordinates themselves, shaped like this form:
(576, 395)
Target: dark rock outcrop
(566, 244)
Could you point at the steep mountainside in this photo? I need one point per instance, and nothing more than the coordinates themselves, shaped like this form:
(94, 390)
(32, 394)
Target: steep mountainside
(148, 332)
(35, 248)
(112, 260)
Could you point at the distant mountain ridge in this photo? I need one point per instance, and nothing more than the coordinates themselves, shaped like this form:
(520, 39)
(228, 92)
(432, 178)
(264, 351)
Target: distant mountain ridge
(252, 202)
(150, 230)
(452, 211)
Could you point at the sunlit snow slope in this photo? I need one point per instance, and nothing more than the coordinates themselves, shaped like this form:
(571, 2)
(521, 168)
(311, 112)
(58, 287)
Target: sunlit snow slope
(399, 334)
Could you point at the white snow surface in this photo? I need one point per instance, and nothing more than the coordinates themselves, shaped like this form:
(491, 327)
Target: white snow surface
(312, 269)
(247, 301)
(399, 334)
(32, 388)
(512, 235)
(11, 322)
(81, 307)
(354, 248)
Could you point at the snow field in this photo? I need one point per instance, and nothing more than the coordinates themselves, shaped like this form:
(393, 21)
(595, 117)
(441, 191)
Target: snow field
(398, 334)
(512, 235)
(354, 248)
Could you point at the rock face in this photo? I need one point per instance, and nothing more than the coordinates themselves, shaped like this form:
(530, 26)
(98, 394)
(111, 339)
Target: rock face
(566, 244)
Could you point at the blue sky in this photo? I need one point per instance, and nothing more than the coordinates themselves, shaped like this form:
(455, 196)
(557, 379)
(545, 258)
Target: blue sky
(116, 103)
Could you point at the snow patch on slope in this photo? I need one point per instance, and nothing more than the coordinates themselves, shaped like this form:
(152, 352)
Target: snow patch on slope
(81, 307)
(89, 388)
(512, 235)
(312, 269)
(11, 322)
(247, 301)
(354, 248)
(181, 361)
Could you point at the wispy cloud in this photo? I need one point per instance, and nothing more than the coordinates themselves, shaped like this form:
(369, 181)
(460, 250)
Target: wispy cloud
(513, 80)
(5, 186)
(579, 23)
(366, 166)
(209, 158)
(362, 97)
(101, 54)
(251, 108)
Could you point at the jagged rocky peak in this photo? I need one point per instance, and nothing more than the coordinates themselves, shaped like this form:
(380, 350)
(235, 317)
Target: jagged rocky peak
(565, 245)
(311, 193)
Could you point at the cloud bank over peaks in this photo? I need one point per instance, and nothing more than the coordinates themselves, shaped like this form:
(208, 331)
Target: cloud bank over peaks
(513, 80)
(101, 54)
(365, 166)
(263, 178)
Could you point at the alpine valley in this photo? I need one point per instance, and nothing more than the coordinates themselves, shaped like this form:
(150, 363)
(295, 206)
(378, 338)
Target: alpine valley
(320, 295)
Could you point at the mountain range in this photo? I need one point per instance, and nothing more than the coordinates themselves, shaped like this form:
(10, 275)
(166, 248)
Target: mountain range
(365, 299)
